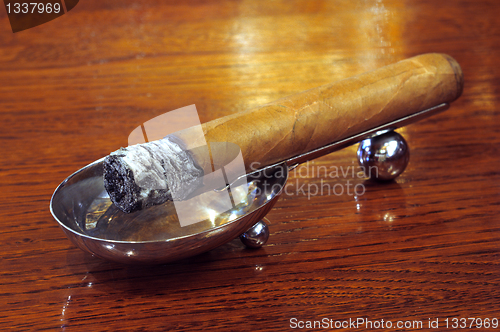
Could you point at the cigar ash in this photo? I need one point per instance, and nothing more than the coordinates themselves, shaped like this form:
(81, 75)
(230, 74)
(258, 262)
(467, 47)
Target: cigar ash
(143, 175)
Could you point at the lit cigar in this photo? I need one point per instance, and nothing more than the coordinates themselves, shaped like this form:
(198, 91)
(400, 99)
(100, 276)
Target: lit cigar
(145, 174)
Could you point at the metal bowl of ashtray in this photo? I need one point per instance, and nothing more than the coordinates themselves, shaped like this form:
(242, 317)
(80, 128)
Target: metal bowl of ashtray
(82, 206)
(184, 194)
(84, 211)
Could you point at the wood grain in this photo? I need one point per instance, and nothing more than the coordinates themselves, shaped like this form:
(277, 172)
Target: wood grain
(425, 246)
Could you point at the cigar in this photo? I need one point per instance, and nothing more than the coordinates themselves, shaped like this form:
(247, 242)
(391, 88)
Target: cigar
(152, 173)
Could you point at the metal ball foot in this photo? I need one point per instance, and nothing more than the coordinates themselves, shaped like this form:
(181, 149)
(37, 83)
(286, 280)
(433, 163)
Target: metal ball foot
(385, 156)
(256, 236)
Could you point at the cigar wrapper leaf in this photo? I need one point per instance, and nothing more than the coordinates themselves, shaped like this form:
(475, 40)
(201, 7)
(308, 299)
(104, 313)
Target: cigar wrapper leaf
(140, 176)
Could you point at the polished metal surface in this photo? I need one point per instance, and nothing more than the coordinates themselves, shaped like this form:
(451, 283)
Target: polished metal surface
(385, 156)
(256, 236)
(335, 146)
(85, 213)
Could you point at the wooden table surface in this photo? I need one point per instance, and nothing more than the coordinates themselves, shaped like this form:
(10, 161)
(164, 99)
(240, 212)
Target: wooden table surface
(423, 247)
